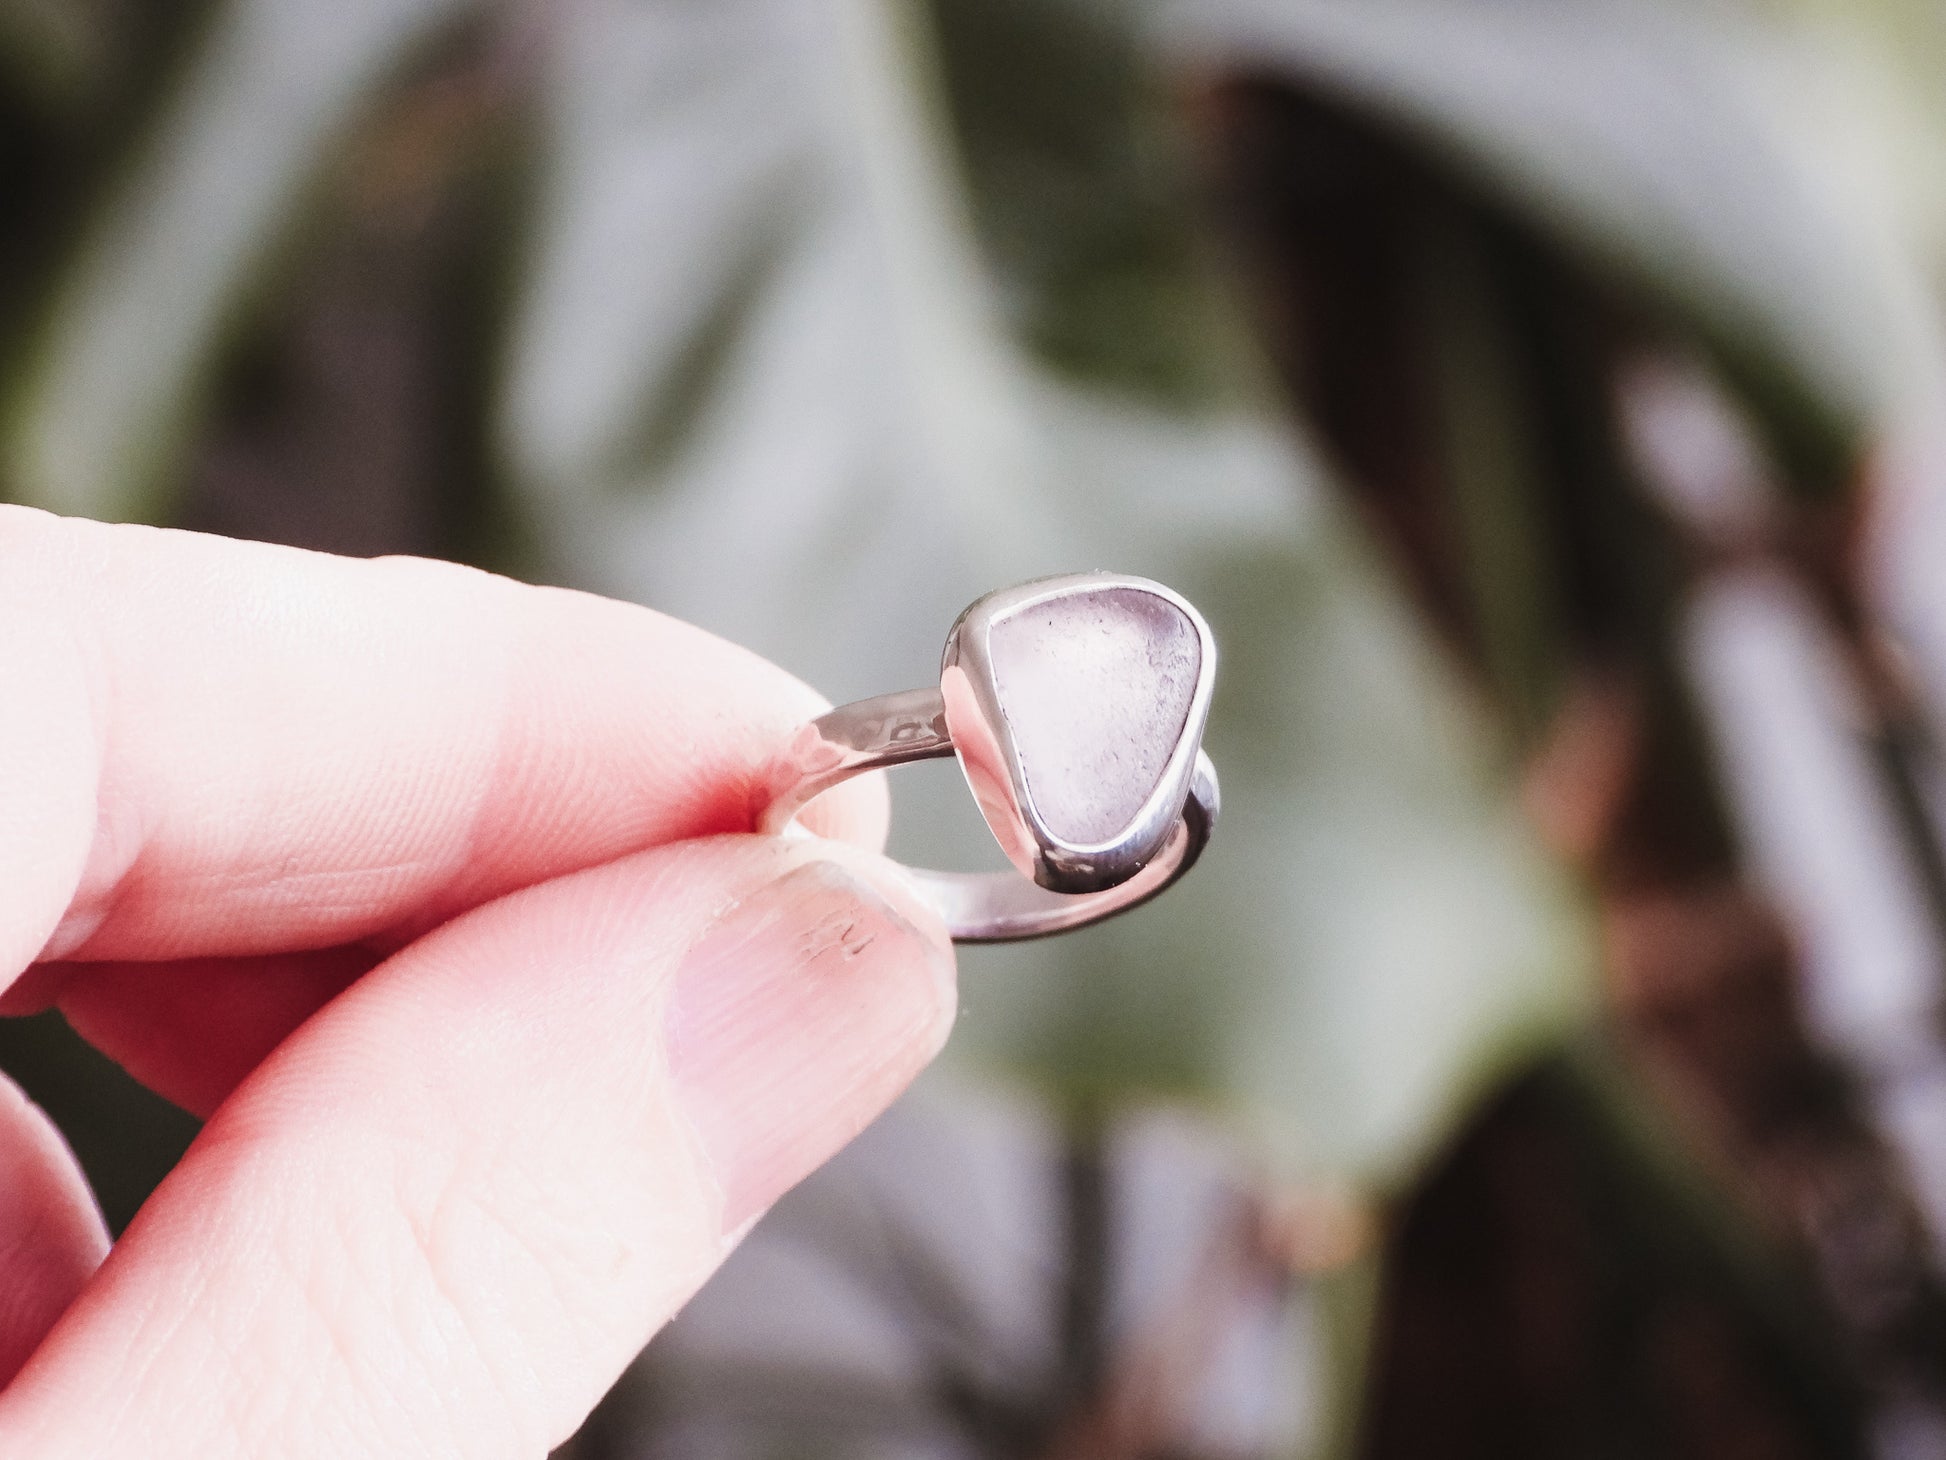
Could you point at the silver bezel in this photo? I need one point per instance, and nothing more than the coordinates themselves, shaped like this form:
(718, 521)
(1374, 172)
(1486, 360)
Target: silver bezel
(982, 734)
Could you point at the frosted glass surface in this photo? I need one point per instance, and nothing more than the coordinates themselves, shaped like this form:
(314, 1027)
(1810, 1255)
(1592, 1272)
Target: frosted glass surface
(1095, 689)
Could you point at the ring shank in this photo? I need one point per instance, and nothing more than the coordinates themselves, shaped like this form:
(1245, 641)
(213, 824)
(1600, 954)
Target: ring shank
(977, 907)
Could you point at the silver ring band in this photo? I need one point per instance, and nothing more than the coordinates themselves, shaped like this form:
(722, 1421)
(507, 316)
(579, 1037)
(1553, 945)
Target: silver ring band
(977, 907)
(1075, 706)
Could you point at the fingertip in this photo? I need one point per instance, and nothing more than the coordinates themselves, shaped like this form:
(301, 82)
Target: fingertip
(797, 1017)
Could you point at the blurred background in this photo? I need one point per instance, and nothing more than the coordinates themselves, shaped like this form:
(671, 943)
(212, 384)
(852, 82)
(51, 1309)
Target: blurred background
(1544, 401)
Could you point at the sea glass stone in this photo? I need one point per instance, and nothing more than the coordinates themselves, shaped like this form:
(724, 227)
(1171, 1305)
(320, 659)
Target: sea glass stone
(1095, 688)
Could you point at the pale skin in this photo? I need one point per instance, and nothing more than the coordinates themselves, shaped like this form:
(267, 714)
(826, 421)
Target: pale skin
(436, 894)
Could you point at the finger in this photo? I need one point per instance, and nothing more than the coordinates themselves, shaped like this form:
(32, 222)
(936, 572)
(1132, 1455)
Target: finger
(215, 748)
(448, 1211)
(192, 1030)
(51, 1234)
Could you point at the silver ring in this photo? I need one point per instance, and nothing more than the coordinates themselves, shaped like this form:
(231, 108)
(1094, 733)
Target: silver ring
(1076, 706)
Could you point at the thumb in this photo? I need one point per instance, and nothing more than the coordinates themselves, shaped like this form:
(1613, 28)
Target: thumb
(448, 1211)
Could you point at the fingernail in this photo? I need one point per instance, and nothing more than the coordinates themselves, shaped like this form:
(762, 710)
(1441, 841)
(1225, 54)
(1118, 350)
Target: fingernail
(795, 1020)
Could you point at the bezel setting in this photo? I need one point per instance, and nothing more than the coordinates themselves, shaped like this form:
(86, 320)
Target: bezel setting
(983, 732)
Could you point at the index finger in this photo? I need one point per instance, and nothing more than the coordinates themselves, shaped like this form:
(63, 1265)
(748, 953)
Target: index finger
(215, 748)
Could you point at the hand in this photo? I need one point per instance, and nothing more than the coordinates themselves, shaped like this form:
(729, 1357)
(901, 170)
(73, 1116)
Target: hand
(434, 893)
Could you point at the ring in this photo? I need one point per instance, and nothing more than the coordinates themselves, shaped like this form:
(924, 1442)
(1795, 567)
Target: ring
(1076, 706)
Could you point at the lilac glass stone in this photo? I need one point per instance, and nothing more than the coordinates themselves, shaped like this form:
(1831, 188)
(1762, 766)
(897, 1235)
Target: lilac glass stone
(1095, 688)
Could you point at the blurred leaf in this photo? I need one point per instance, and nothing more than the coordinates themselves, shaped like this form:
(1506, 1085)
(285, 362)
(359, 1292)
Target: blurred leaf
(1861, 86)
(1627, 133)
(1556, 1284)
(104, 397)
(751, 378)
(1080, 163)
